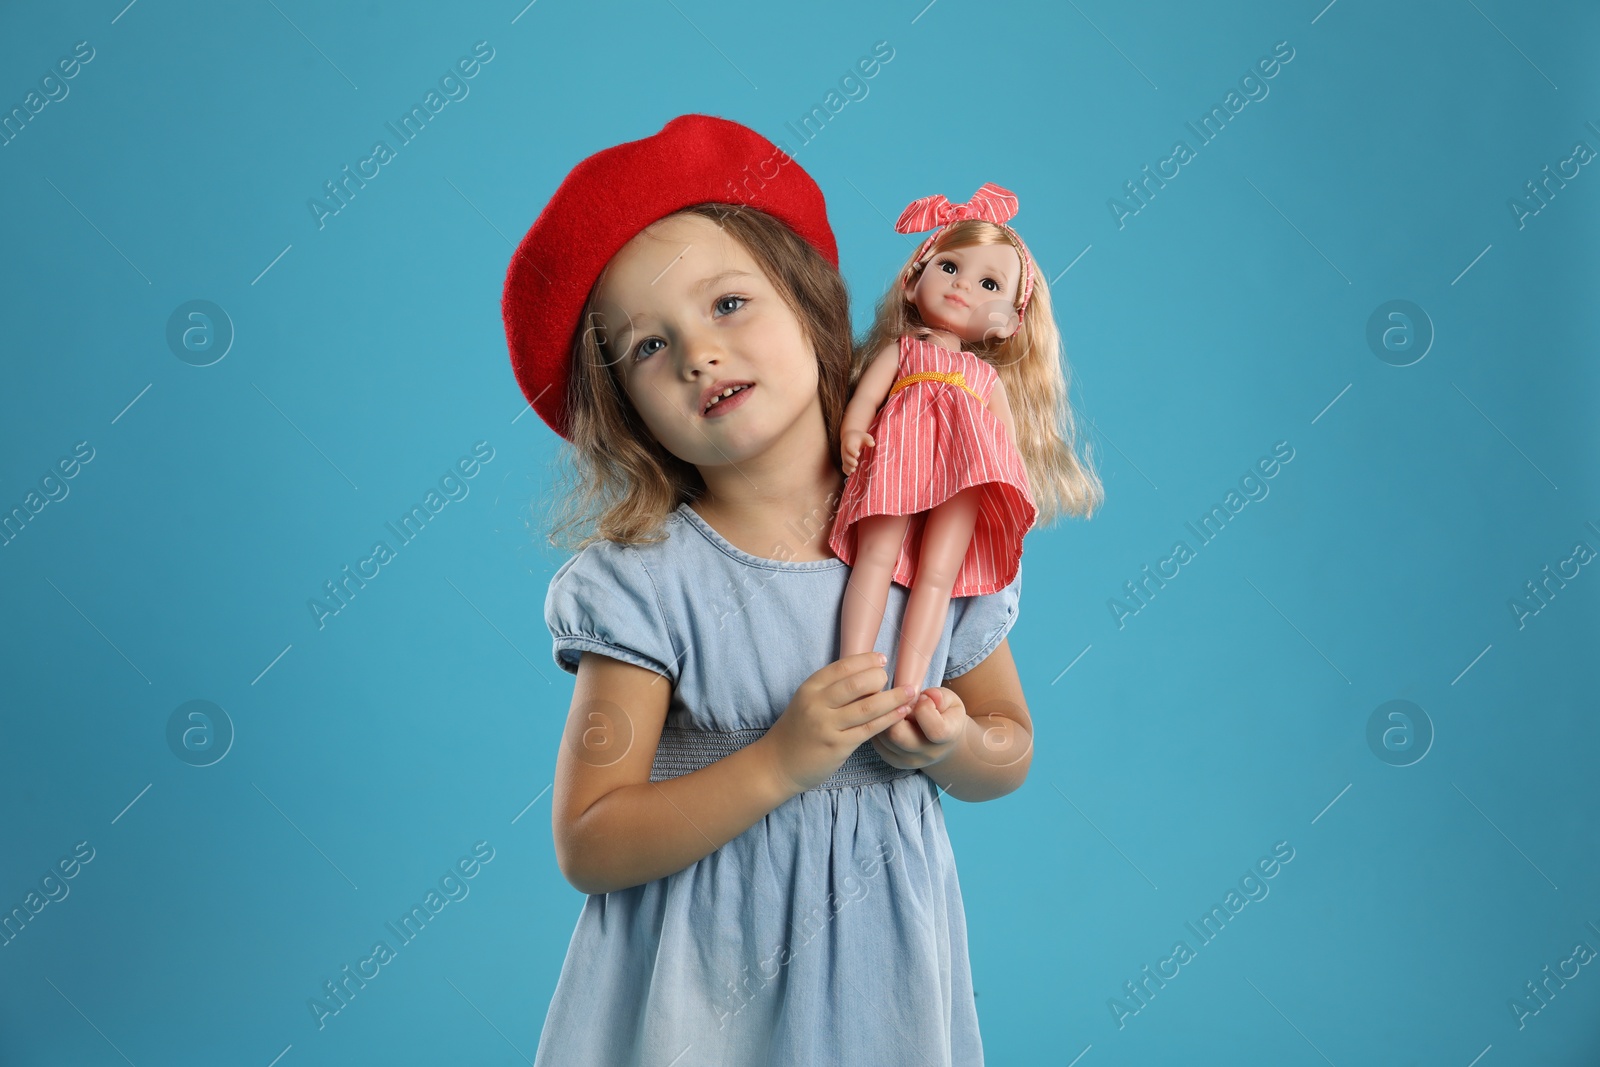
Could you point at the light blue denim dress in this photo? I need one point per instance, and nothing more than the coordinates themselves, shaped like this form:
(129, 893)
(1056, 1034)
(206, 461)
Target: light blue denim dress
(829, 932)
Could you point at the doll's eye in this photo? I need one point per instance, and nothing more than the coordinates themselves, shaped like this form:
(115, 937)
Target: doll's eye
(947, 266)
(737, 302)
(991, 285)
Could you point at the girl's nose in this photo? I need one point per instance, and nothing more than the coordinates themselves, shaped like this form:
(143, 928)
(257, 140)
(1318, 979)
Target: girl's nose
(699, 352)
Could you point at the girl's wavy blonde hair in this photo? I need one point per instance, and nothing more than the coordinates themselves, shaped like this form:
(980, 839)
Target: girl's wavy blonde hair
(1029, 363)
(616, 482)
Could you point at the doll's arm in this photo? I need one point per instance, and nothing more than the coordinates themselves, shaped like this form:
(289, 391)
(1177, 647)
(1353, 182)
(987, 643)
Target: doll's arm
(1002, 409)
(872, 389)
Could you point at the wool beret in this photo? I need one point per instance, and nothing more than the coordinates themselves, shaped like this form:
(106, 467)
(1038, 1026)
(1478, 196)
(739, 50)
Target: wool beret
(605, 201)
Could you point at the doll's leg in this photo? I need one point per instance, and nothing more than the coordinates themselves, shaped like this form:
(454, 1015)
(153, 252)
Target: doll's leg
(878, 540)
(944, 546)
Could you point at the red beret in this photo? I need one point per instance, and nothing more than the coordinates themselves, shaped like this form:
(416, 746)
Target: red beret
(606, 200)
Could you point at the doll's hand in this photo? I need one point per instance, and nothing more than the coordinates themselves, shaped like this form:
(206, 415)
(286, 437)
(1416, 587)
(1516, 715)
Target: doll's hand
(937, 723)
(851, 445)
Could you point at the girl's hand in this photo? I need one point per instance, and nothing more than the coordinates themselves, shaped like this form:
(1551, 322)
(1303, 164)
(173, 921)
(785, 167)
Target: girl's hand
(832, 713)
(852, 443)
(938, 722)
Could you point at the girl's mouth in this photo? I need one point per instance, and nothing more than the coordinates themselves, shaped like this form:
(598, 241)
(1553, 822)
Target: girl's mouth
(726, 401)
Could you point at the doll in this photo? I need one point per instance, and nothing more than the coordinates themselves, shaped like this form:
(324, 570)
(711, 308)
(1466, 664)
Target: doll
(940, 487)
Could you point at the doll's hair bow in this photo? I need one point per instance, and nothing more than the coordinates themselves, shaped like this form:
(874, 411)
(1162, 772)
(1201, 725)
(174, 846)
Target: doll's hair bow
(991, 203)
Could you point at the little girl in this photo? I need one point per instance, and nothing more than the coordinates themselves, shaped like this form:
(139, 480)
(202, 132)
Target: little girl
(764, 887)
(942, 500)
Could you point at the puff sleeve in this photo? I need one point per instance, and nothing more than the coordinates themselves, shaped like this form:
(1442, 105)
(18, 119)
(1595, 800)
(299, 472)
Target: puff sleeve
(604, 600)
(979, 624)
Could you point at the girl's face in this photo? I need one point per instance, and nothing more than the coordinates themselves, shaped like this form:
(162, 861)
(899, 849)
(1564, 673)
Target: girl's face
(970, 292)
(688, 314)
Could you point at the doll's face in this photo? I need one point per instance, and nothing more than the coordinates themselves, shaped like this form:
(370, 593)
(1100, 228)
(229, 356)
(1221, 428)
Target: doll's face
(685, 307)
(970, 292)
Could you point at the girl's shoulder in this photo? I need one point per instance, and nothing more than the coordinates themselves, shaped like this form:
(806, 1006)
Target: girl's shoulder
(607, 598)
(624, 563)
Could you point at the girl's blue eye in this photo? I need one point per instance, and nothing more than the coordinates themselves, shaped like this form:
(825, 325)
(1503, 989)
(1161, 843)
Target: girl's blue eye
(643, 349)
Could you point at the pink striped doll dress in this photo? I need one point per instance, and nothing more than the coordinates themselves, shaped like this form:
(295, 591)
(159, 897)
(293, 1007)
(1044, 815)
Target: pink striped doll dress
(934, 436)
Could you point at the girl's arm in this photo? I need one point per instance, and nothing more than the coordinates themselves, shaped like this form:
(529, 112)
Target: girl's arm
(613, 827)
(992, 759)
(872, 389)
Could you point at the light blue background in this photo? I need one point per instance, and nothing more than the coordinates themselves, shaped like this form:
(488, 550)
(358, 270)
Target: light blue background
(1229, 314)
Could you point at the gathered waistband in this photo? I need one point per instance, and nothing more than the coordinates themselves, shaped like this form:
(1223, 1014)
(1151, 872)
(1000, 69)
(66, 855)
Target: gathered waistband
(684, 749)
(953, 377)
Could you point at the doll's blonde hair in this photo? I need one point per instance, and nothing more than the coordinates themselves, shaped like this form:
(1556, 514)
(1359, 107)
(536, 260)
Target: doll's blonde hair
(617, 482)
(1030, 364)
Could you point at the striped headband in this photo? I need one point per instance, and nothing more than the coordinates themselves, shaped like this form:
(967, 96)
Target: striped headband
(990, 203)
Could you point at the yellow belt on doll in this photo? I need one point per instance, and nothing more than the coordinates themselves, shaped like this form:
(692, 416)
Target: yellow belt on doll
(953, 377)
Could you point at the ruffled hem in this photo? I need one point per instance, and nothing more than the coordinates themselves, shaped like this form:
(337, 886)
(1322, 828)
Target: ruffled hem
(843, 538)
